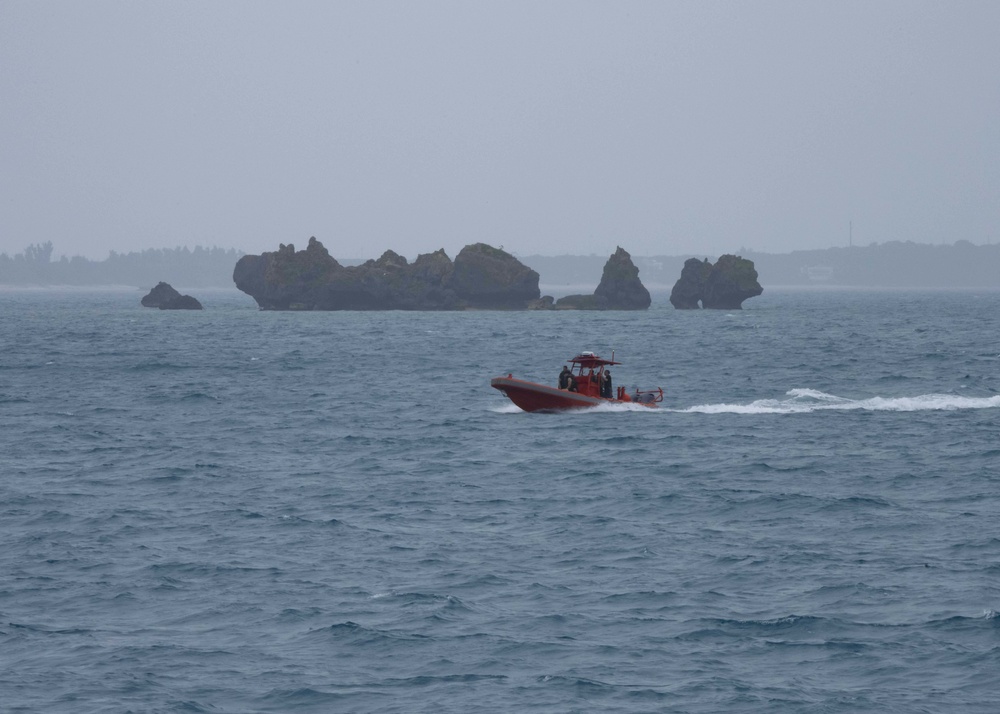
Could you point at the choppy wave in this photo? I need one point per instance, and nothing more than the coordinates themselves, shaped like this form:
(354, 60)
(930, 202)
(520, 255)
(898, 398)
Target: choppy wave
(195, 530)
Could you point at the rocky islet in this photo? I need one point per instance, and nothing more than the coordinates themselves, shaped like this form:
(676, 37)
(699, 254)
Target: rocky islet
(480, 278)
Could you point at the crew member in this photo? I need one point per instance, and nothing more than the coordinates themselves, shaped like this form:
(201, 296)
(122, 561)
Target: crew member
(565, 378)
(606, 384)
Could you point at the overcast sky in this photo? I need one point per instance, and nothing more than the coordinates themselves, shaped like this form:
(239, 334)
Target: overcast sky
(546, 127)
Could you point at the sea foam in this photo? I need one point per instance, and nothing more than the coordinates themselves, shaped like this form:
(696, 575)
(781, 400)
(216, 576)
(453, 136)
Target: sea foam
(802, 401)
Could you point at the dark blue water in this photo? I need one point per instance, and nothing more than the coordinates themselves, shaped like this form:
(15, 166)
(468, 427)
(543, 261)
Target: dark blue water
(237, 511)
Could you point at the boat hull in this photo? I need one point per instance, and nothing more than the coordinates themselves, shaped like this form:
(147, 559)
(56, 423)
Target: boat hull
(534, 397)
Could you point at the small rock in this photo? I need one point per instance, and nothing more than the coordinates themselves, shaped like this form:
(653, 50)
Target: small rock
(165, 297)
(182, 302)
(160, 295)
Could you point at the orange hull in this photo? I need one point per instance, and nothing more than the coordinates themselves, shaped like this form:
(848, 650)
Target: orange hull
(534, 397)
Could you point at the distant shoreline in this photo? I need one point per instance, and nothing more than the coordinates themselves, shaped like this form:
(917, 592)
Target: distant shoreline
(657, 290)
(904, 265)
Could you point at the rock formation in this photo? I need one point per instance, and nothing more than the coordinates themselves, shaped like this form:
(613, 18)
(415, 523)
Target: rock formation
(184, 302)
(160, 295)
(481, 277)
(723, 286)
(690, 287)
(488, 276)
(579, 302)
(165, 297)
(619, 289)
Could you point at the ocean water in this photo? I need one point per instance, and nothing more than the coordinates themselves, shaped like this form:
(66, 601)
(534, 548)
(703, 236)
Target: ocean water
(242, 511)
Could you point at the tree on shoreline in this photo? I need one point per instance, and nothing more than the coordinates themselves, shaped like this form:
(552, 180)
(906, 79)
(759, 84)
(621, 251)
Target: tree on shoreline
(200, 267)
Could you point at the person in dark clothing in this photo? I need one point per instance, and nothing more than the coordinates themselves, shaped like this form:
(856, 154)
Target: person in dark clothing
(606, 384)
(565, 378)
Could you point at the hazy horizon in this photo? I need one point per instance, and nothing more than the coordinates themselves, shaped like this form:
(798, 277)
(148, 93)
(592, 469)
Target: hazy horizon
(301, 245)
(547, 128)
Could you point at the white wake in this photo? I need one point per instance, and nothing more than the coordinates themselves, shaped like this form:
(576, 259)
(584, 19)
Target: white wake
(800, 401)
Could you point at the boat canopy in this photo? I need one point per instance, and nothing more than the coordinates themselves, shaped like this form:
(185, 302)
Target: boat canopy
(588, 360)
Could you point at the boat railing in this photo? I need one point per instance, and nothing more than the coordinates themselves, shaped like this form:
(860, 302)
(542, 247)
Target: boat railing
(648, 396)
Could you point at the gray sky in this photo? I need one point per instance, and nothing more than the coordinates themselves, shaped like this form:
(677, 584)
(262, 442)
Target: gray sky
(545, 127)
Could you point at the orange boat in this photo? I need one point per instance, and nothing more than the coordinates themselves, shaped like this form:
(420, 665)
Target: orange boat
(586, 384)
